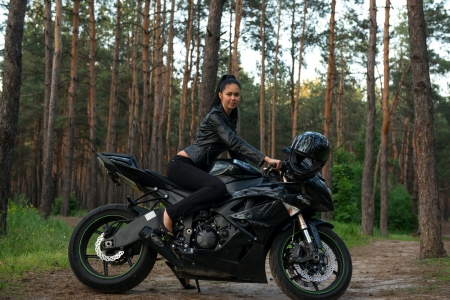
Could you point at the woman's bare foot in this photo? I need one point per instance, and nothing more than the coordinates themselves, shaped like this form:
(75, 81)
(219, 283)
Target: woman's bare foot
(167, 221)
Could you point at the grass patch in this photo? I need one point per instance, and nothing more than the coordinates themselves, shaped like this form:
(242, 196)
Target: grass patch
(349, 232)
(32, 243)
(440, 269)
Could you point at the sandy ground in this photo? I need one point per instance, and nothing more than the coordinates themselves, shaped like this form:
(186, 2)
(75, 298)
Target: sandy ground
(385, 269)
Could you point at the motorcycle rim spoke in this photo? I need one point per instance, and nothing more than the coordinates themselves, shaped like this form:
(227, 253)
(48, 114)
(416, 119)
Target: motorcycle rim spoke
(130, 263)
(299, 280)
(105, 268)
(96, 265)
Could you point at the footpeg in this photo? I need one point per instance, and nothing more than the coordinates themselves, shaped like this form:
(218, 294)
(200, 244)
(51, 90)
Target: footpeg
(155, 242)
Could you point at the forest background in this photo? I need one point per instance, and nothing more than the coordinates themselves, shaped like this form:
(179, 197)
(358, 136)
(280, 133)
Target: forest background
(131, 94)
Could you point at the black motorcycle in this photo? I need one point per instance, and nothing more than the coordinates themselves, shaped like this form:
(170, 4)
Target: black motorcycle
(114, 247)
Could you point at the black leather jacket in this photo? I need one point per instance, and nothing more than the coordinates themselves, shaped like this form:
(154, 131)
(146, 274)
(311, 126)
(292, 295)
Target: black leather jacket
(217, 133)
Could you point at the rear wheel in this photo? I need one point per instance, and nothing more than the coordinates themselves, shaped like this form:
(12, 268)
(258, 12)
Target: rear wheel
(103, 269)
(324, 280)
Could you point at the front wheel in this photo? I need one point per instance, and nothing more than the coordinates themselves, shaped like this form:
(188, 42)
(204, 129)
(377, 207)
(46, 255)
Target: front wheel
(102, 269)
(325, 280)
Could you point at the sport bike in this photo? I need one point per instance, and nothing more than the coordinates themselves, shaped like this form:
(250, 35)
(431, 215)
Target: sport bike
(114, 247)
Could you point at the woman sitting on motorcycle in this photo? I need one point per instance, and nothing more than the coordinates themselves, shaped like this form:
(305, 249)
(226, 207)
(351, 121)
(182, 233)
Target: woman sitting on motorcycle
(217, 133)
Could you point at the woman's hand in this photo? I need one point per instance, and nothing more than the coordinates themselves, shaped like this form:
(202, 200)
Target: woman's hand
(275, 162)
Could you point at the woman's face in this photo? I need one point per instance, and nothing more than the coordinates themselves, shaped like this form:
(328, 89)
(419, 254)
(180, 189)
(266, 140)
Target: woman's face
(230, 97)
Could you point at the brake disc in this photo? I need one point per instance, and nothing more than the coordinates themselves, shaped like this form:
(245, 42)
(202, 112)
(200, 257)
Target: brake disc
(329, 258)
(102, 253)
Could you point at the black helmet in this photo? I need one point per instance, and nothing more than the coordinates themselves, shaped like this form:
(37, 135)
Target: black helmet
(309, 153)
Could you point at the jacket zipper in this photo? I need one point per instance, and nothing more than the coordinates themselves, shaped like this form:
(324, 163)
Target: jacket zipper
(207, 155)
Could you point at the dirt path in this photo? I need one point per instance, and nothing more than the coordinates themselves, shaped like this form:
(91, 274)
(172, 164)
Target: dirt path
(385, 269)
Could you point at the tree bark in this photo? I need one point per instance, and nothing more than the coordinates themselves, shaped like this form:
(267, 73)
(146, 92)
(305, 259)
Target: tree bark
(329, 99)
(67, 181)
(429, 213)
(339, 123)
(48, 62)
(9, 104)
(193, 126)
(300, 61)
(275, 74)
(404, 154)
(367, 205)
(385, 129)
(145, 130)
(262, 91)
(158, 64)
(92, 189)
(237, 28)
(164, 102)
(210, 58)
(47, 195)
(134, 93)
(111, 136)
(168, 80)
(186, 77)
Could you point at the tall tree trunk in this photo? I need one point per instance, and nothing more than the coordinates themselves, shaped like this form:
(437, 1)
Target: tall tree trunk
(145, 130)
(186, 77)
(158, 64)
(300, 61)
(92, 117)
(45, 206)
(230, 42)
(194, 84)
(210, 58)
(37, 166)
(429, 214)
(9, 104)
(67, 181)
(275, 74)
(48, 62)
(134, 93)
(404, 154)
(168, 80)
(385, 130)
(237, 29)
(367, 205)
(262, 91)
(339, 122)
(164, 103)
(329, 99)
(111, 137)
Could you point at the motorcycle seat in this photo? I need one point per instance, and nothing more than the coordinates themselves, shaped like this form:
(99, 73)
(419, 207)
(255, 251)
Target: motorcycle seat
(167, 183)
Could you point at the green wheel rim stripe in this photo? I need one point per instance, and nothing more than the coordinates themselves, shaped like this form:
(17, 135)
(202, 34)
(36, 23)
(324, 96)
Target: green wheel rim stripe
(319, 292)
(88, 269)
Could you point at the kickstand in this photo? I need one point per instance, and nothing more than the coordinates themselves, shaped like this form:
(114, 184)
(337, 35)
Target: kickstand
(198, 286)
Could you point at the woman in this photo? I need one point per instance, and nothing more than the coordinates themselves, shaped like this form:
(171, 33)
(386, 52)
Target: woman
(216, 134)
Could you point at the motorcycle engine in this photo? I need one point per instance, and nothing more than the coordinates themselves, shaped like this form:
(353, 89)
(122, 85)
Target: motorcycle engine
(213, 233)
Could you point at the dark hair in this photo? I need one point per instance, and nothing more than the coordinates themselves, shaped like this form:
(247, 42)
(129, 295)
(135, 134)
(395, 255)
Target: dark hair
(223, 82)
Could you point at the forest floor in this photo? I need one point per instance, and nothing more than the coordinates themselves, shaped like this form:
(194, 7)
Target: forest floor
(384, 269)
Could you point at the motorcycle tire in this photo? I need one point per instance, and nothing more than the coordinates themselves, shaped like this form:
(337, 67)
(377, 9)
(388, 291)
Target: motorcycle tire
(108, 271)
(327, 280)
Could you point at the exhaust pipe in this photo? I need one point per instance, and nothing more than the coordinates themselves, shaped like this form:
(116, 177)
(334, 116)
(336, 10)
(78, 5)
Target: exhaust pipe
(153, 241)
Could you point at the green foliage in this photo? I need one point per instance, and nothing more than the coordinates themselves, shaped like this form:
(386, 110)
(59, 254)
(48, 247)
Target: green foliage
(347, 175)
(33, 243)
(73, 205)
(350, 234)
(400, 215)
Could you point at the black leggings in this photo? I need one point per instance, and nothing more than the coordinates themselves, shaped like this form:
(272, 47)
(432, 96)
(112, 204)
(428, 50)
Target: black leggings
(185, 173)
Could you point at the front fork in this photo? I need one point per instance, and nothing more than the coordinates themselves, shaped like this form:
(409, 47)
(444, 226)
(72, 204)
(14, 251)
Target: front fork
(313, 245)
